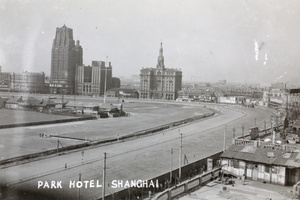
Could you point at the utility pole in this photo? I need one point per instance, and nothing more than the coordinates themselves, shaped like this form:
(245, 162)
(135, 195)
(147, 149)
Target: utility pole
(286, 103)
(224, 142)
(273, 142)
(171, 163)
(243, 128)
(79, 188)
(180, 156)
(62, 101)
(105, 79)
(57, 147)
(104, 174)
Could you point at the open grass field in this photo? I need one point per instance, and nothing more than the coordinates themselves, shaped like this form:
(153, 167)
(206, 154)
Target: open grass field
(19, 116)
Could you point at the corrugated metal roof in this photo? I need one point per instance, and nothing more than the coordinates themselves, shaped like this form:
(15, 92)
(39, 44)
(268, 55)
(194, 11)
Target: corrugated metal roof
(249, 149)
(298, 157)
(296, 124)
(14, 100)
(292, 163)
(262, 155)
(270, 154)
(287, 155)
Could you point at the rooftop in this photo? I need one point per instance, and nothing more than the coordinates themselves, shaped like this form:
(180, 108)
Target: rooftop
(247, 190)
(264, 152)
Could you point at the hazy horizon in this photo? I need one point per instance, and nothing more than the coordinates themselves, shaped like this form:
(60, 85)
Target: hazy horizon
(239, 41)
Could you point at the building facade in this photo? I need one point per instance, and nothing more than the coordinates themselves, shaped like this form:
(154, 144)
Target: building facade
(263, 161)
(93, 80)
(160, 82)
(116, 82)
(22, 82)
(5, 81)
(28, 82)
(65, 57)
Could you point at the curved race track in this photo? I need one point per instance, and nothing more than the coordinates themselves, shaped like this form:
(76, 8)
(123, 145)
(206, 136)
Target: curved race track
(142, 158)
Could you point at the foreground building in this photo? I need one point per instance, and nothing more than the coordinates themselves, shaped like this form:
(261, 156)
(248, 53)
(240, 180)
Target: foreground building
(160, 82)
(65, 56)
(263, 161)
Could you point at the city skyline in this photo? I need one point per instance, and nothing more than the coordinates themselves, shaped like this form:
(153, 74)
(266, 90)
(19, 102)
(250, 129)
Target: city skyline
(239, 41)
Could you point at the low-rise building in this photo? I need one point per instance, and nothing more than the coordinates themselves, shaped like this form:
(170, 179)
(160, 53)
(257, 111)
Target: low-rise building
(29, 103)
(263, 161)
(13, 102)
(123, 93)
(3, 101)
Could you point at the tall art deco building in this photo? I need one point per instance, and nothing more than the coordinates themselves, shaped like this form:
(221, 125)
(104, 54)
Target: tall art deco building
(65, 57)
(160, 82)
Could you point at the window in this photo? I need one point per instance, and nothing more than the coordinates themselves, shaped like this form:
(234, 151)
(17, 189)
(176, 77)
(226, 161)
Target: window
(260, 168)
(267, 168)
(235, 163)
(274, 170)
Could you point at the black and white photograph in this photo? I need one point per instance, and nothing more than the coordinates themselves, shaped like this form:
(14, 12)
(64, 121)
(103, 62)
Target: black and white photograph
(149, 99)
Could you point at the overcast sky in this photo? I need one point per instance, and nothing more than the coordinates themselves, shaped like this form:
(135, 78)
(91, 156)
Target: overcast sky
(238, 40)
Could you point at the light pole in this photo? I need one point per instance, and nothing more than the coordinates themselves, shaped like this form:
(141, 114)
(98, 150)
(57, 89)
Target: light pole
(224, 142)
(79, 188)
(105, 80)
(104, 176)
(171, 166)
(180, 156)
(286, 103)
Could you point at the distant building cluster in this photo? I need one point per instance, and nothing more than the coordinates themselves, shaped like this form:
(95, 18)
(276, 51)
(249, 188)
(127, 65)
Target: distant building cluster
(221, 92)
(54, 106)
(160, 82)
(283, 100)
(68, 74)
(22, 82)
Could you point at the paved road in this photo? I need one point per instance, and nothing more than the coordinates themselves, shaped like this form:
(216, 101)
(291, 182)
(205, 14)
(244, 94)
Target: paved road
(142, 158)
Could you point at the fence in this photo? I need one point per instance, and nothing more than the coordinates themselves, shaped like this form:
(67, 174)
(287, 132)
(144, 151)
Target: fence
(192, 176)
(188, 185)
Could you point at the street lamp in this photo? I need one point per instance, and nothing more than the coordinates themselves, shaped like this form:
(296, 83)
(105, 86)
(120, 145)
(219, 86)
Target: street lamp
(286, 103)
(105, 79)
(105, 84)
